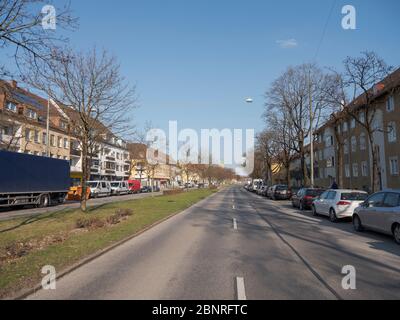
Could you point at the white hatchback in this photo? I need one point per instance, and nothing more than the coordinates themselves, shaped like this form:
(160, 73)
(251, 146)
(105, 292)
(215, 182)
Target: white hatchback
(338, 204)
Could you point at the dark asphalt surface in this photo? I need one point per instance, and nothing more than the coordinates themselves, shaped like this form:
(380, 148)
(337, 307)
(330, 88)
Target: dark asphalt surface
(279, 252)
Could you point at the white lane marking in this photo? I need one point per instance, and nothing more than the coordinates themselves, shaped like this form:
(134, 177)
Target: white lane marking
(235, 224)
(240, 290)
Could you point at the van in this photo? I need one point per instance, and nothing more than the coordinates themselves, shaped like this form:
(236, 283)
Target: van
(99, 189)
(119, 187)
(134, 186)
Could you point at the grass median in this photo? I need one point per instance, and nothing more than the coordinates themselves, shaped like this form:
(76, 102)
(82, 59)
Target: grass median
(63, 238)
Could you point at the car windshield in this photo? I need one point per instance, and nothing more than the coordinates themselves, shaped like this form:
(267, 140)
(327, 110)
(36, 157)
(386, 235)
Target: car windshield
(92, 184)
(115, 184)
(280, 188)
(314, 192)
(354, 196)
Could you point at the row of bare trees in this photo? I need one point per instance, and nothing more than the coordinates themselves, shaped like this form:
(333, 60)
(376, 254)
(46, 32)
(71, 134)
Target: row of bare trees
(87, 85)
(305, 97)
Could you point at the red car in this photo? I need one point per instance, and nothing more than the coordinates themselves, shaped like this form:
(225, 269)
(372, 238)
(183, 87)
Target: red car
(305, 198)
(134, 186)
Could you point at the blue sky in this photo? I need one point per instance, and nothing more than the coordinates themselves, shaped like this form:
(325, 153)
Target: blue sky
(196, 61)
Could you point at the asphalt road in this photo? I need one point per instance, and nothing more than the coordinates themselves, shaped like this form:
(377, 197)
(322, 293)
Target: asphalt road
(7, 214)
(270, 251)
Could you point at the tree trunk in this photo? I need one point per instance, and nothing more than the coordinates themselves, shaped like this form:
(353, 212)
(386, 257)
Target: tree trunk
(374, 173)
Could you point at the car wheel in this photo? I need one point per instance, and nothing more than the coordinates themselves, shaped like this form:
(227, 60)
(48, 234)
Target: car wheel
(357, 224)
(396, 233)
(332, 216)
(44, 201)
(314, 211)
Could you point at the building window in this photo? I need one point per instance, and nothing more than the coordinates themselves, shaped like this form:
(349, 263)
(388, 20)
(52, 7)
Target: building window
(364, 169)
(346, 146)
(353, 144)
(31, 114)
(63, 125)
(44, 138)
(27, 134)
(345, 127)
(355, 170)
(11, 106)
(353, 123)
(394, 166)
(59, 142)
(65, 143)
(330, 162)
(390, 104)
(392, 135)
(363, 142)
(347, 170)
(362, 117)
(36, 138)
(329, 141)
(52, 140)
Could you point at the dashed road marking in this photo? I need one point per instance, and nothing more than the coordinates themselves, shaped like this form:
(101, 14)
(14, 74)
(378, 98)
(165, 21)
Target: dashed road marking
(235, 227)
(240, 289)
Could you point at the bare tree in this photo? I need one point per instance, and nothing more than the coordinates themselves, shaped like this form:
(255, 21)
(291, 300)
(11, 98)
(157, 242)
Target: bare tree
(299, 94)
(363, 75)
(22, 31)
(284, 138)
(94, 96)
(266, 154)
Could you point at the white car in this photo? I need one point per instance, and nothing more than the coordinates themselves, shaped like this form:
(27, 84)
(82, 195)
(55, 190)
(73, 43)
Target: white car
(119, 187)
(99, 188)
(338, 204)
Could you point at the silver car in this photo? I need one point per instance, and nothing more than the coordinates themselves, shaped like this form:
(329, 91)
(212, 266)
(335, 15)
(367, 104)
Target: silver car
(381, 213)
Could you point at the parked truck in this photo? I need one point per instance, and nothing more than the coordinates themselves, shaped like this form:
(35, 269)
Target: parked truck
(32, 180)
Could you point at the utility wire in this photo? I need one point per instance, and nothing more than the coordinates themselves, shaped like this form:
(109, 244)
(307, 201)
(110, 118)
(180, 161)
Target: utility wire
(325, 29)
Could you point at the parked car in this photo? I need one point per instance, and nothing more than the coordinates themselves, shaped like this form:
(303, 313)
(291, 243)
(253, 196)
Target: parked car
(268, 193)
(280, 192)
(381, 213)
(145, 189)
(338, 204)
(261, 189)
(134, 186)
(305, 197)
(99, 188)
(119, 187)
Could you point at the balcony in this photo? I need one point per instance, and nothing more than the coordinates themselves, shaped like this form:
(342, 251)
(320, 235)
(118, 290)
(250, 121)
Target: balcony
(74, 152)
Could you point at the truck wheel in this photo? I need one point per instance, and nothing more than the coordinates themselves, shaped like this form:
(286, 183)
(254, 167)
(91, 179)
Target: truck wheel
(44, 201)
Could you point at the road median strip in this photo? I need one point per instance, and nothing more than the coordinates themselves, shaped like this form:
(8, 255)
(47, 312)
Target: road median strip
(82, 246)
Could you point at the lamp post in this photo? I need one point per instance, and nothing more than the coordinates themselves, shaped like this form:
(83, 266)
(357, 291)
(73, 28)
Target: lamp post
(311, 131)
(48, 127)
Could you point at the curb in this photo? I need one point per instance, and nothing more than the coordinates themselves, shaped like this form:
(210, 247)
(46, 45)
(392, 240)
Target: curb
(22, 294)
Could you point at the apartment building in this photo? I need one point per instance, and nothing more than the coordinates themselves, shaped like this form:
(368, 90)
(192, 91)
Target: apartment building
(163, 175)
(23, 124)
(344, 134)
(108, 158)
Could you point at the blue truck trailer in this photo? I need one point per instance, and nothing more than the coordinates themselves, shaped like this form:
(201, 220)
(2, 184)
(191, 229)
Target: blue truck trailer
(32, 180)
